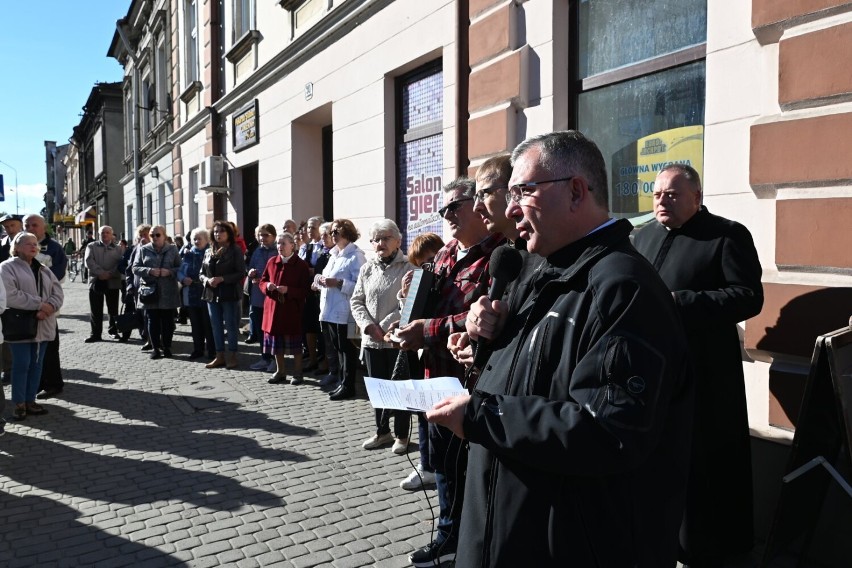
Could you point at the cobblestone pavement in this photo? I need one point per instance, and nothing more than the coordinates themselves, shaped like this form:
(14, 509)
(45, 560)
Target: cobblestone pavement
(166, 463)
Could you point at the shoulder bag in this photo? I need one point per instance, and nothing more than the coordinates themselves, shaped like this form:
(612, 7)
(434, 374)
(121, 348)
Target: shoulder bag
(20, 325)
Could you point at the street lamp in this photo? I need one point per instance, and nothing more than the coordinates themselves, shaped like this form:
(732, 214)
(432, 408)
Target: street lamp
(16, 184)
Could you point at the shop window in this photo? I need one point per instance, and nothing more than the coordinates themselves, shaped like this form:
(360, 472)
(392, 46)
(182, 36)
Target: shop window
(640, 90)
(420, 156)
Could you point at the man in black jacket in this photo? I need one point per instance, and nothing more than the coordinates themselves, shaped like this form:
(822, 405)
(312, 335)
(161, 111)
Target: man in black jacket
(711, 267)
(579, 426)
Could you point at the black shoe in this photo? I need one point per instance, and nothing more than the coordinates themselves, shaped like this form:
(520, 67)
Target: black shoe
(296, 380)
(196, 355)
(123, 338)
(320, 371)
(92, 339)
(277, 379)
(156, 354)
(342, 392)
(6, 379)
(167, 352)
(2, 426)
(147, 346)
(433, 554)
(49, 393)
(250, 340)
(309, 368)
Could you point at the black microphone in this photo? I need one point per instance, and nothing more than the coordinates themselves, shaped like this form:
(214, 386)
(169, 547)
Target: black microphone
(504, 267)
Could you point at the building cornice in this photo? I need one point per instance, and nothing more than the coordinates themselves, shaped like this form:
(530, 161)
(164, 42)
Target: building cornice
(336, 25)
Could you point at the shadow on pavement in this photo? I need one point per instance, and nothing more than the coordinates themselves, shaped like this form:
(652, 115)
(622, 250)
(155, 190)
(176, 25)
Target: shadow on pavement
(133, 480)
(40, 518)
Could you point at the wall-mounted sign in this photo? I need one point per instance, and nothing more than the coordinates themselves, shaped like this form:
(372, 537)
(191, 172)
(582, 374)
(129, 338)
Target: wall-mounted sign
(245, 126)
(635, 167)
(309, 91)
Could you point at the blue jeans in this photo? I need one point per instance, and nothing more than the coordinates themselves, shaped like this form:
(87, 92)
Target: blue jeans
(229, 314)
(27, 359)
(255, 320)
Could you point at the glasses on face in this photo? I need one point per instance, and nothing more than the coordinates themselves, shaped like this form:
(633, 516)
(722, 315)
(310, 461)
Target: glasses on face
(453, 207)
(335, 232)
(264, 235)
(521, 191)
(384, 240)
(156, 235)
(480, 195)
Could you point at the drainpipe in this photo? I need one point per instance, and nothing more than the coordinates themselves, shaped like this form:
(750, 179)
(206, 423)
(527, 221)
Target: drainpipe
(119, 27)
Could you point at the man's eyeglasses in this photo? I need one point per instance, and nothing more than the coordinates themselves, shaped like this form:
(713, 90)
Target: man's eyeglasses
(480, 195)
(384, 239)
(523, 190)
(453, 207)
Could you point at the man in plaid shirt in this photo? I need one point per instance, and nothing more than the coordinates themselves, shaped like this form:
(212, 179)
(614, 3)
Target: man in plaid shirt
(462, 266)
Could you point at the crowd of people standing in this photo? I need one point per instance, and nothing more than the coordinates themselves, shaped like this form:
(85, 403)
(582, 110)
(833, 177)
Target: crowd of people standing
(605, 420)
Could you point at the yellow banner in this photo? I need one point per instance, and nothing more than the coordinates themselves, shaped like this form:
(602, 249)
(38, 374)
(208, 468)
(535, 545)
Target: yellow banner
(635, 167)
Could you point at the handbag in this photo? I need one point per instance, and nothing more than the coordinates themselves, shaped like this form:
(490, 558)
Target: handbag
(149, 293)
(19, 325)
(127, 321)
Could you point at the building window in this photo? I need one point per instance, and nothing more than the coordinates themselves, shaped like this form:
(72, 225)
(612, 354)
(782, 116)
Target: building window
(149, 209)
(145, 107)
(130, 234)
(420, 151)
(161, 104)
(193, 199)
(128, 121)
(190, 18)
(304, 13)
(161, 204)
(640, 90)
(243, 18)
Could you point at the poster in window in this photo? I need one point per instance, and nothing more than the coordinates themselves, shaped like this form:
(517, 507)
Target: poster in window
(635, 167)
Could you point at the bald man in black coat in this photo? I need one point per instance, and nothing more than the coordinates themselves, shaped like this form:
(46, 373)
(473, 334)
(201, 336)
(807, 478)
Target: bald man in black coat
(711, 267)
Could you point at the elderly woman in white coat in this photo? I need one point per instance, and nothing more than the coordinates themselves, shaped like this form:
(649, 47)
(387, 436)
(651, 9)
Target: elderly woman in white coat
(336, 286)
(374, 307)
(30, 286)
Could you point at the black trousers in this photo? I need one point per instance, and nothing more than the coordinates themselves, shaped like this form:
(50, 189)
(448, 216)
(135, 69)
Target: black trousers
(202, 330)
(161, 327)
(347, 355)
(96, 309)
(51, 372)
(380, 364)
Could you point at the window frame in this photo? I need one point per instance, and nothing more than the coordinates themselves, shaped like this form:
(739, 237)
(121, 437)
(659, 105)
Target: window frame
(579, 86)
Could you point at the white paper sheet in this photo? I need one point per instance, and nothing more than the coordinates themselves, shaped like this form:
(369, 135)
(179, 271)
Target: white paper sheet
(411, 395)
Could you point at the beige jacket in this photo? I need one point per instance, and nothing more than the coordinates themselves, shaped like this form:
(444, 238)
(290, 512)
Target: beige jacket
(374, 299)
(24, 293)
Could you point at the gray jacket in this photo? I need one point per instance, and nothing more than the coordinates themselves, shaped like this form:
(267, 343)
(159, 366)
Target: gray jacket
(100, 259)
(24, 293)
(147, 258)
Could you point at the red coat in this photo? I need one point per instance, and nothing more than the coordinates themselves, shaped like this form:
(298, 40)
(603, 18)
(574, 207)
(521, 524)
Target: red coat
(282, 313)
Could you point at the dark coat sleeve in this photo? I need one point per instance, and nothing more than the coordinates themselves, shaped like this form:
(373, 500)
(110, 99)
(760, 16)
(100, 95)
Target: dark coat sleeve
(739, 294)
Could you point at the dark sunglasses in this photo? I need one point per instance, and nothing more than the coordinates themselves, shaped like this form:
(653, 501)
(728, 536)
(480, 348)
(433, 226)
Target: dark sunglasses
(156, 234)
(335, 232)
(453, 207)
